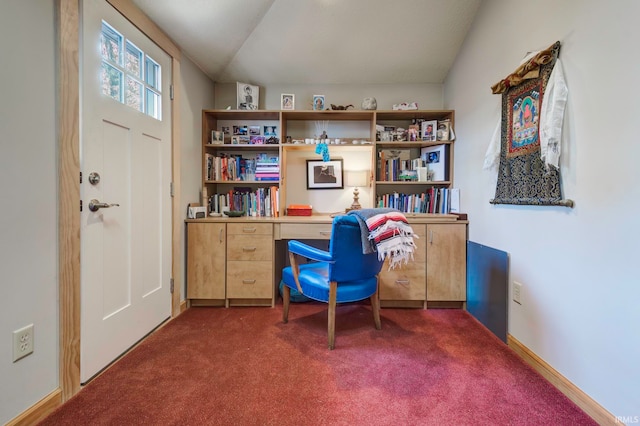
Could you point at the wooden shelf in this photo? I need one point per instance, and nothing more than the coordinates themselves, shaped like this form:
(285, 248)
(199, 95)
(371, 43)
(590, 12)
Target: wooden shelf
(428, 182)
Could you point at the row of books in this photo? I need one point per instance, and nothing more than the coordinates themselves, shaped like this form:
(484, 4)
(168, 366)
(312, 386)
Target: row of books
(237, 168)
(261, 202)
(394, 169)
(434, 200)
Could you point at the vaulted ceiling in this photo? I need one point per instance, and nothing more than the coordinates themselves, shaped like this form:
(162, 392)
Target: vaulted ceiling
(317, 41)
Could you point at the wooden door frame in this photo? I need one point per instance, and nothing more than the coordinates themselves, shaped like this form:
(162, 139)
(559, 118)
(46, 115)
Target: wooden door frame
(68, 27)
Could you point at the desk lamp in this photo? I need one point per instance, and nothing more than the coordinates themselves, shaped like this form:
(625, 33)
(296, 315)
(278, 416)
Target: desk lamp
(356, 178)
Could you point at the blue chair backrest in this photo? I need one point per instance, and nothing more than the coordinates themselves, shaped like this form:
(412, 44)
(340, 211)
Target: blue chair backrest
(346, 249)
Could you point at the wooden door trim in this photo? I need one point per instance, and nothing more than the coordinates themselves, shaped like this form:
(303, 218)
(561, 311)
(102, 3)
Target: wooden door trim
(68, 22)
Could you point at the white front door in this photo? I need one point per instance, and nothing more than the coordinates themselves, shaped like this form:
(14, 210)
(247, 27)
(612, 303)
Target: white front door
(125, 159)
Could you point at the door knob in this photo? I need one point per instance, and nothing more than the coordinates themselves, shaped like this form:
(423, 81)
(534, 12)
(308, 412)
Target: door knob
(95, 205)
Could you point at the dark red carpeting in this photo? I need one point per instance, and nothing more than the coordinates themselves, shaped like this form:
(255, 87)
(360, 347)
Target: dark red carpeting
(243, 366)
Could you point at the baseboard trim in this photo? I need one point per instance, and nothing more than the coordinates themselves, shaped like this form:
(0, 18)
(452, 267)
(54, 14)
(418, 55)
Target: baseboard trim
(39, 410)
(571, 391)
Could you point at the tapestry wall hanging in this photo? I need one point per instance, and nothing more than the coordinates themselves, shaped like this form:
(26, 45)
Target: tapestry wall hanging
(528, 172)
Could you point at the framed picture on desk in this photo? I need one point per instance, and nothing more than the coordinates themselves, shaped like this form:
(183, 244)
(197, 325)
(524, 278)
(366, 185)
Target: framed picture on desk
(324, 174)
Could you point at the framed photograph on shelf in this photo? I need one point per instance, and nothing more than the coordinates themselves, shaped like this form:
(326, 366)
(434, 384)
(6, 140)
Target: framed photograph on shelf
(254, 130)
(235, 140)
(240, 130)
(429, 130)
(217, 137)
(325, 174)
(287, 101)
(270, 131)
(248, 96)
(318, 102)
(443, 130)
(437, 160)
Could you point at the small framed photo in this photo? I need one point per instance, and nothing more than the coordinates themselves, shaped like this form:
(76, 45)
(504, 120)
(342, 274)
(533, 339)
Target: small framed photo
(240, 130)
(226, 130)
(443, 130)
(257, 140)
(247, 96)
(324, 174)
(287, 101)
(235, 140)
(270, 131)
(318, 102)
(217, 137)
(429, 130)
(412, 133)
(254, 130)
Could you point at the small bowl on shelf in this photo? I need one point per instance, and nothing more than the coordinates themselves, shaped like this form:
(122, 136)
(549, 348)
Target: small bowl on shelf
(234, 213)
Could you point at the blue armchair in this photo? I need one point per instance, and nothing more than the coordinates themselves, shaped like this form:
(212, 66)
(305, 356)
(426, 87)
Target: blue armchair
(343, 274)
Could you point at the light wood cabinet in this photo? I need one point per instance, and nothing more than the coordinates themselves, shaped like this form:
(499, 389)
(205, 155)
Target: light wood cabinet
(206, 261)
(446, 262)
(407, 282)
(250, 264)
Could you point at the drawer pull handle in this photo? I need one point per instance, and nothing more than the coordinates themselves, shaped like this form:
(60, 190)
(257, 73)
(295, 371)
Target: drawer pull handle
(249, 230)
(402, 281)
(248, 281)
(248, 249)
(325, 232)
(220, 238)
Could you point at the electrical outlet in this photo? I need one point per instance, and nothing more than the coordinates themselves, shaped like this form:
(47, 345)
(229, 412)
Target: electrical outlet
(22, 342)
(517, 292)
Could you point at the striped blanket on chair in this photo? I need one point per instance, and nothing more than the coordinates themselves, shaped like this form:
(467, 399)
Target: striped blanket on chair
(387, 232)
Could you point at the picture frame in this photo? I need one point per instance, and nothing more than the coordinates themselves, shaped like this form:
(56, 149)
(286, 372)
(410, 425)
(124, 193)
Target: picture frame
(318, 102)
(269, 131)
(254, 130)
(248, 96)
(443, 130)
(235, 140)
(217, 137)
(325, 174)
(240, 130)
(428, 129)
(287, 101)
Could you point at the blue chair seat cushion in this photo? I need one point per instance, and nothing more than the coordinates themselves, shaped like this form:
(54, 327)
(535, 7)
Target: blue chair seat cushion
(314, 280)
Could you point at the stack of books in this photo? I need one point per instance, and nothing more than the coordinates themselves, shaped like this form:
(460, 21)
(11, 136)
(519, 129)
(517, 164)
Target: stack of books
(267, 168)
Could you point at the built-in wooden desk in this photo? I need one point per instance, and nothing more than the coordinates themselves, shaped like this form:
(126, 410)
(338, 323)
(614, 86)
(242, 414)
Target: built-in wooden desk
(238, 261)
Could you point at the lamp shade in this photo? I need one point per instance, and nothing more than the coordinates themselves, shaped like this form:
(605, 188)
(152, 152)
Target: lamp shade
(356, 177)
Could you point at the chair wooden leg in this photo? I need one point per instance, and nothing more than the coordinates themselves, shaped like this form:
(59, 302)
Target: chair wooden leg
(333, 295)
(375, 307)
(286, 296)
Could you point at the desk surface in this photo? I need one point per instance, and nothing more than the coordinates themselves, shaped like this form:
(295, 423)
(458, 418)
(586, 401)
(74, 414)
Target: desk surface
(412, 218)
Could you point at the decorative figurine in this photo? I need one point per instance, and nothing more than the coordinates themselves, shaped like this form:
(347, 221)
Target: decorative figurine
(369, 104)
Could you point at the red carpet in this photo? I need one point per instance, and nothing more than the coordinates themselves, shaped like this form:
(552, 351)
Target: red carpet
(243, 366)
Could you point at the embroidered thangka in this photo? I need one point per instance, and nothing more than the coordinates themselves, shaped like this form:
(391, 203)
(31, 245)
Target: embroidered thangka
(522, 175)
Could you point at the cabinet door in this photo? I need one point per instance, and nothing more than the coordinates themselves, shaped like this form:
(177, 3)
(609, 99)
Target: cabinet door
(206, 246)
(406, 282)
(446, 262)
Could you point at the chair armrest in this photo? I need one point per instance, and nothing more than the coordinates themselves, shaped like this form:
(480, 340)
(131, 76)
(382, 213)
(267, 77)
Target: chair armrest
(309, 252)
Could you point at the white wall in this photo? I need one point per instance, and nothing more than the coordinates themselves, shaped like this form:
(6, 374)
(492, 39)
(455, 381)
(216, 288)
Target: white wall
(28, 184)
(428, 96)
(578, 266)
(28, 217)
(196, 91)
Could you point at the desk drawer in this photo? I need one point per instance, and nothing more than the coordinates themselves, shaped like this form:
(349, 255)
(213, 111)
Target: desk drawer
(249, 280)
(250, 228)
(305, 231)
(406, 283)
(249, 247)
